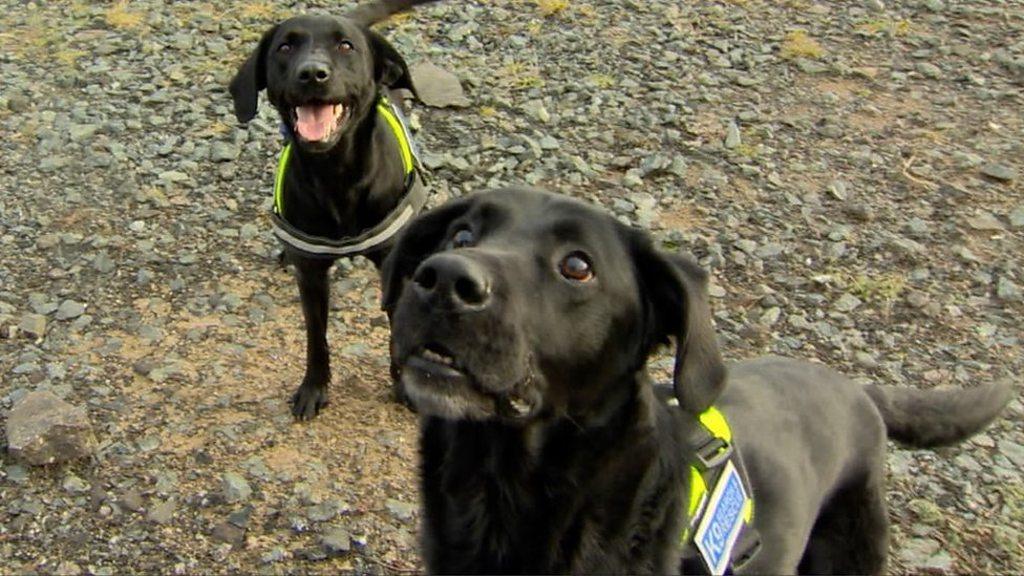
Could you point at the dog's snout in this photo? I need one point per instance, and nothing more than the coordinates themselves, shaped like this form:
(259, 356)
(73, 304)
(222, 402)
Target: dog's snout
(454, 281)
(314, 73)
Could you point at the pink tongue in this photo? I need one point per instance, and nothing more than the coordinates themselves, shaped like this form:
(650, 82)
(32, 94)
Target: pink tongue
(315, 122)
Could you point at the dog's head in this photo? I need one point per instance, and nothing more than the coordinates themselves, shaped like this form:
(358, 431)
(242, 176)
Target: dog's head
(322, 73)
(515, 304)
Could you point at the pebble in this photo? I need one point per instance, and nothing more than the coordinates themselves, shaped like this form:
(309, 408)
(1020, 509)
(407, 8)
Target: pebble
(33, 325)
(1000, 172)
(69, 310)
(336, 542)
(732, 136)
(163, 512)
(436, 86)
(234, 487)
(401, 510)
(43, 429)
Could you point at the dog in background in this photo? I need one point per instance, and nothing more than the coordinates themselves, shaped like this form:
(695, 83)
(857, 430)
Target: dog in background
(521, 326)
(347, 180)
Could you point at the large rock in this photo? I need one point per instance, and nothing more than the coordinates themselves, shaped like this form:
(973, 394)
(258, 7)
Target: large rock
(43, 429)
(436, 86)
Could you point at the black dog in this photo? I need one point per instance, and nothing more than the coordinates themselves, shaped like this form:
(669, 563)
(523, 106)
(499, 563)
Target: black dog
(347, 181)
(522, 323)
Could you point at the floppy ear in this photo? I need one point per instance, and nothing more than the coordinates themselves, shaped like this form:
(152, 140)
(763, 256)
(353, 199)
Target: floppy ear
(419, 240)
(675, 287)
(389, 68)
(251, 78)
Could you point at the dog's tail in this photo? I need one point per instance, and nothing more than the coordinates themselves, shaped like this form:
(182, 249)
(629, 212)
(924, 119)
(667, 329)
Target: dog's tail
(937, 417)
(371, 13)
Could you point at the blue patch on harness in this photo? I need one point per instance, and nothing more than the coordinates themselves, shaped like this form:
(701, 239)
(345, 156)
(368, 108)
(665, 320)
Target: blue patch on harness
(716, 536)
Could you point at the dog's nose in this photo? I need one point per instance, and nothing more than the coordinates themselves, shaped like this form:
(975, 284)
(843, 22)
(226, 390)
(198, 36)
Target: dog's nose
(453, 281)
(314, 73)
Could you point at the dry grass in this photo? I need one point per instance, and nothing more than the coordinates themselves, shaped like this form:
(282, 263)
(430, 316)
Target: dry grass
(879, 27)
(120, 17)
(798, 44)
(549, 8)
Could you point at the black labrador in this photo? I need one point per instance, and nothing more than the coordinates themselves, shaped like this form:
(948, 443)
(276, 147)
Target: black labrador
(345, 170)
(522, 324)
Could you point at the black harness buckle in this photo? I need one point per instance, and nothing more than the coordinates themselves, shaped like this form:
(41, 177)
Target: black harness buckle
(713, 453)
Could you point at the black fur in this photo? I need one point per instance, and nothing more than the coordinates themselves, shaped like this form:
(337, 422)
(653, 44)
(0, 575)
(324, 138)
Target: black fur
(344, 184)
(545, 448)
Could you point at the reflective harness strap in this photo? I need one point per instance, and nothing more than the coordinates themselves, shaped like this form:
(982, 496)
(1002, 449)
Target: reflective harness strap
(712, 443)
(412, 202)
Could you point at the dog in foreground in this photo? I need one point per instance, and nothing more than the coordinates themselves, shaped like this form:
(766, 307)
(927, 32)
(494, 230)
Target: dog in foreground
(522, 323)
(347, 181)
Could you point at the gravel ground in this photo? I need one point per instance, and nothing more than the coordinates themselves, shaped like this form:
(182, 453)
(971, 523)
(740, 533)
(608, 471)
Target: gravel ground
(851, 172)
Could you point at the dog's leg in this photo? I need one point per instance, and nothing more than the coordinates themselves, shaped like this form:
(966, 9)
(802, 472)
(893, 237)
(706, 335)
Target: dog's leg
(851, 535)
(314, 293)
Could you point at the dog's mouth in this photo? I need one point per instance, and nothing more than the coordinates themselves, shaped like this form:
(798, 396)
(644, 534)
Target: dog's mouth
(439, 385)
(319, 122)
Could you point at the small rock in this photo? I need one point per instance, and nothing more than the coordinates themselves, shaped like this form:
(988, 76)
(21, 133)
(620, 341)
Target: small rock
(132, 500)
(336, 542)
(436, 86)
(1007, 290)
(1000, 172)
(1013, 451)
(162, 513)
(69, 309)
(925, 554)
(986, 222)
(401, 510)
(68, 568)
(241, 517)
(875, 5)
(43, 429)
(234, 487)
(17, 474)
(276, 554)
(732, 136)
(224, 152)
(74, 484)
(228, 532)
(847, 303)
(1017, 217)
(927, 511)
(929, 70)
(33, 325)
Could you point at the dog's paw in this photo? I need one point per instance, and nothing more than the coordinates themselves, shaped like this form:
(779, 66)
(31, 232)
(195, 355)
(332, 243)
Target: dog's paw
(307, 401)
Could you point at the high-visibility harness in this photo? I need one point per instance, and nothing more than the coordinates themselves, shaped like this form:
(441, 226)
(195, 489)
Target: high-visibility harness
(715, 458)
(412, 202)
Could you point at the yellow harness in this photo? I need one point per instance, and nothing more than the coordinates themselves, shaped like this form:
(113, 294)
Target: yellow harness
(413, 200)
(391, 116)
(717, 461)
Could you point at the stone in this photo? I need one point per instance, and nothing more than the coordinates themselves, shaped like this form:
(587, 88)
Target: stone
(234, 487)
(336, 542)
(229, 533)
(925, 554)
(162, 513)
(70, 309)
(224, 152)
(43, 429)
(732, 136)
(401, 510)
(1000, 172)
(436, 86)
(985, 221)
(929, 70)
(847, 303)
(1007, 290)
(1017, 217)
(33, 325)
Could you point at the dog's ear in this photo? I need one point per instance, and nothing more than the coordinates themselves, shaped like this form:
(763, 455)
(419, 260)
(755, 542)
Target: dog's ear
(414, 244)
(251, 78)
(675, 288)
(389, 68)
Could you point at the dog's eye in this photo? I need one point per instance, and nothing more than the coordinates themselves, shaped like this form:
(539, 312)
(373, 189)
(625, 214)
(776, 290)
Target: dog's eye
(345, 46)
(462, 238)
(284, 48)
(576, 267)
